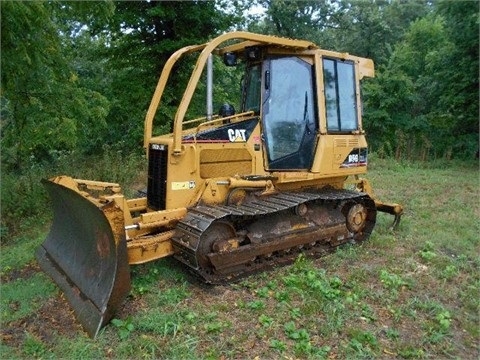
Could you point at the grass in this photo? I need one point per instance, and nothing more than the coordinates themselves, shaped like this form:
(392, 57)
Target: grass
(24, 296)
(413, 293)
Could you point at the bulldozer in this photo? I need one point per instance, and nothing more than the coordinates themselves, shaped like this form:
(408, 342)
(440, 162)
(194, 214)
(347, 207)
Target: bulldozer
(227, 194)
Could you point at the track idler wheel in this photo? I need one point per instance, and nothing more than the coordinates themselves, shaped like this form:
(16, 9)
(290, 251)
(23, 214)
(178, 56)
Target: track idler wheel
(356, 218)
(360, 218)
(219, 237)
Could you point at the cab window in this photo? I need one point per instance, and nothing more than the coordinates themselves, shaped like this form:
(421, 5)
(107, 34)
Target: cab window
(252, 89)
(340, 96)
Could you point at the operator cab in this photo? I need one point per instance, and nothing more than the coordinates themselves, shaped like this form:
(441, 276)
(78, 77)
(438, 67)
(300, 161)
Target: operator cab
(282, 90)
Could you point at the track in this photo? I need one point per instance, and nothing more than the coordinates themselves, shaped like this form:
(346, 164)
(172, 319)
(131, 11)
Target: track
(223, 243)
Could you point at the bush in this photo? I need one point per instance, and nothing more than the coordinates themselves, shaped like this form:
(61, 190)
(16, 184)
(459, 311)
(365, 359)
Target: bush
(25, 200)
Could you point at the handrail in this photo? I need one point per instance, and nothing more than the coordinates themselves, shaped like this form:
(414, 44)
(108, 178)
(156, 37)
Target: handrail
(162, 82)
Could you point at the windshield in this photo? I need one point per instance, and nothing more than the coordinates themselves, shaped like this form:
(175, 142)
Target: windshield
(289, 117)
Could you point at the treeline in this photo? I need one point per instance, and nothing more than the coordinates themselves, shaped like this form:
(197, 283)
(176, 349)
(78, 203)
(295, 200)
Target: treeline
(77, 77)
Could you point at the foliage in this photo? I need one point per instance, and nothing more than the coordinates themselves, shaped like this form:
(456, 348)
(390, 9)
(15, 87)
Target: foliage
(124, 327)
(44, 105)
(149, 32)
(25, 202)
(296, 19)
(67, 84)
(406, 114)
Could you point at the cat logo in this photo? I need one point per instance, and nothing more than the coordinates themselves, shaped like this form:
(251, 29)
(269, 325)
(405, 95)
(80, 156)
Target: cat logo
(237, 135)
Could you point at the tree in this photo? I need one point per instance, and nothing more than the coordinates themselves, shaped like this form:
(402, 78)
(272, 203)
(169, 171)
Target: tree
(46, 109)
(428, 91)
(142, 35)
(364, 28)
(458, 69)
(372, 28)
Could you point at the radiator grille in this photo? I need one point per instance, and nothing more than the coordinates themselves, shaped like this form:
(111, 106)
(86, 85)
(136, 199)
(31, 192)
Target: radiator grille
(157, 177)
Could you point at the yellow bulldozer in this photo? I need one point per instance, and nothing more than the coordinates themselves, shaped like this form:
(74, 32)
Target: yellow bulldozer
(232, 193)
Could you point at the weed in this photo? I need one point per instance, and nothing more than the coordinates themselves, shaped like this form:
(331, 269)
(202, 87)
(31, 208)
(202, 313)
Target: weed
(392, 334)
(214, 327)
(293, 333)
(278, 345)
(292, 281)
(191, 316)
(301, 337)
(444, 319)
(263, 292)
(173, 295)
(391, 281)
(295, 313)
(302, 348)
(368, 313)
(427, 253)
(439, 327)
(322, 352)
(170, 328)
(411, 352)
(265, 320)
(282, 296)
(256, 305)
(34, 347)
(396, 312)
(124, 327)
(362, 343)
(272, 285)
(449, 272)
(351, 297)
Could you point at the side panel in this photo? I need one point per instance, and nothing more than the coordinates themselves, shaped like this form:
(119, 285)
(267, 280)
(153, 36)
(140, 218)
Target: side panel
(212, 155)
(338, 155)
(223, 162)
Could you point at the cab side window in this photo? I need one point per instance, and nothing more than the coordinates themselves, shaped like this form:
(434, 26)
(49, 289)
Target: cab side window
(340, 96)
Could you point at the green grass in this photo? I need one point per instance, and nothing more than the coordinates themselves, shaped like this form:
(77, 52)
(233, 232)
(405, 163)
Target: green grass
(22, 297)
(412, 293)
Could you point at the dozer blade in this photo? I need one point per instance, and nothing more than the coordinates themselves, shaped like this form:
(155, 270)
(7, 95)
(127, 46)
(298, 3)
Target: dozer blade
(86, 255)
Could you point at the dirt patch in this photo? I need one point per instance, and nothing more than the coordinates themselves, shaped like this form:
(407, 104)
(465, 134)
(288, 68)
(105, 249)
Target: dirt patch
(53, 318)
(131, 307)
(24, 273)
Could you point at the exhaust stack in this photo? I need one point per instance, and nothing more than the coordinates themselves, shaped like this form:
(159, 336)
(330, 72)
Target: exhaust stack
(210, 87)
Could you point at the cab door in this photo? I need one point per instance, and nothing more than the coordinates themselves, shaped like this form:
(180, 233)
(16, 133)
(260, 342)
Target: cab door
(289, 121)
